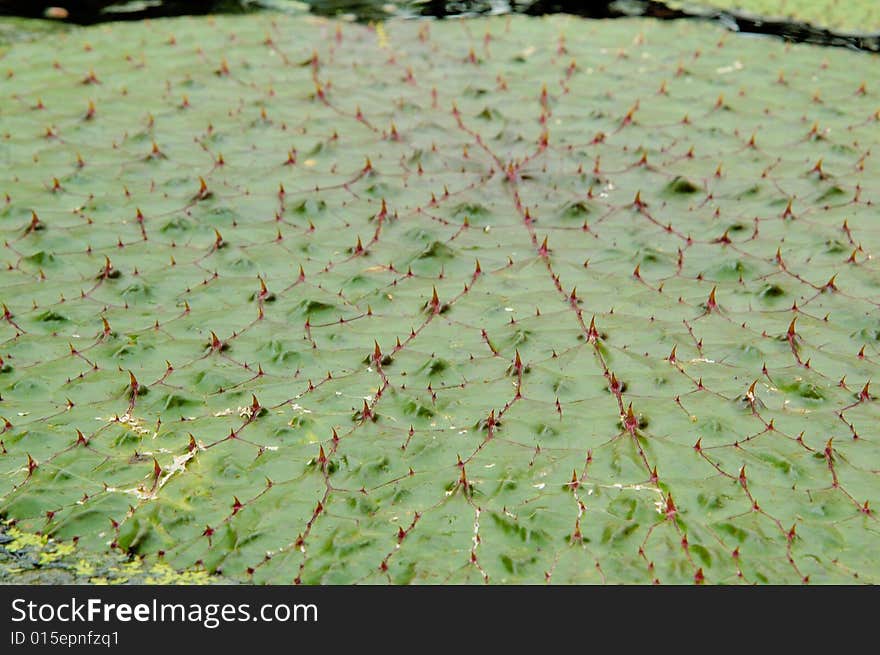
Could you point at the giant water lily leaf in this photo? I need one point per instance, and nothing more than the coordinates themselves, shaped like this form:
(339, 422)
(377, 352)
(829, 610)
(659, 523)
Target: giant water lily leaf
(505, 299)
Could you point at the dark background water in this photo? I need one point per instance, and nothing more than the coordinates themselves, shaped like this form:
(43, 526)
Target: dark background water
(94, 11)
(91, 11)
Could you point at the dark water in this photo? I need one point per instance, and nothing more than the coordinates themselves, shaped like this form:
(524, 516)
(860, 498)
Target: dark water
(94, 11)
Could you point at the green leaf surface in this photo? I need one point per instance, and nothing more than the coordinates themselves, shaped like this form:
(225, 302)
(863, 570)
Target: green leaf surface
(506, 300)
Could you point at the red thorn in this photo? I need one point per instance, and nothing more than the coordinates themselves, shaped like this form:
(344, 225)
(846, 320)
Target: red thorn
(544, 140)
(699, 445)
(592, 333)
(724, 238)
(157, 470)
(865, 394)
(377, 354)
(778, 258)
(671, 510)
(829, 450)
(236, 505)
(543, 251)
(630, 422)
(615, 384)
(711, 303)
(263, 290)
(750, 394)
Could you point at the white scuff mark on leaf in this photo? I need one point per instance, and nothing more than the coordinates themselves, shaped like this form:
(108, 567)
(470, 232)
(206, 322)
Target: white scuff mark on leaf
(178, 465)
(133, 423)
(724, 70)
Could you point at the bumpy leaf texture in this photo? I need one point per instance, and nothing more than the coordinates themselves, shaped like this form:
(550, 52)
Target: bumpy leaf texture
(504, 300)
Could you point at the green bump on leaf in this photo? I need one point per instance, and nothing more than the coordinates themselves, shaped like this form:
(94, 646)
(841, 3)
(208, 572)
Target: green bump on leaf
(681, 186)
